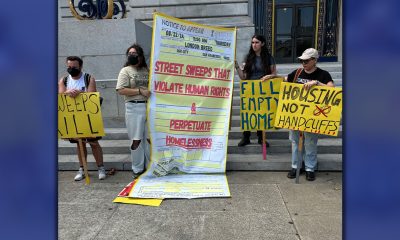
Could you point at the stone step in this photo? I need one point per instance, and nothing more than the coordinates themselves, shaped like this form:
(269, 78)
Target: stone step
(158, 3)
(325, 145)
(235, 162)
(334, 75)
(235, 121)
(279, 162)
(230, 21)
(192, 10)
(120, 122)
(328, 66)
(234, 133)
(236, 95)
(236, 87)
(236, 84)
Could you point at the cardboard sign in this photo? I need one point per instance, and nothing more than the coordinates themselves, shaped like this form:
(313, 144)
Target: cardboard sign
(317, 111)
(258, 102)
(80, 117)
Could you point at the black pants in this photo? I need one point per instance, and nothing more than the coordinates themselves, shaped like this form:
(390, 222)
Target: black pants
(247, 134)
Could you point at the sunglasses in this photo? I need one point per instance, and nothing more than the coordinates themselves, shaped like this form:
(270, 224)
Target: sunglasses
(305, 61)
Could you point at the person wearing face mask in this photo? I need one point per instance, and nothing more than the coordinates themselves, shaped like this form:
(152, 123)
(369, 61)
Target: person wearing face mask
(75, 83)
(309, 75)
(258, 64)
(132, 84)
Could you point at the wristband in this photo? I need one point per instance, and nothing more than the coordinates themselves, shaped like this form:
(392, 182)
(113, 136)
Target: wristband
(140, 92)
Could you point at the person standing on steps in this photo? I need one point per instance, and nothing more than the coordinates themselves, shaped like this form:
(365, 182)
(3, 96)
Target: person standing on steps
(75, 83)
(258, 65)
(132, 83)
(309, 75)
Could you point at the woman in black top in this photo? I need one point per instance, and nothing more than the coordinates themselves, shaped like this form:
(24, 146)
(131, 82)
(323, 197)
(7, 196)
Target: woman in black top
(259, 64)
(309, 75)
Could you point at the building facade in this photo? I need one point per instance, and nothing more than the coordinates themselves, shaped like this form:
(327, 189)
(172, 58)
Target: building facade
(290, 26)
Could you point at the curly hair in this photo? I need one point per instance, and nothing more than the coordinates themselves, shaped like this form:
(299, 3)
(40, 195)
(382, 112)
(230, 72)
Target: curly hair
(140, 53)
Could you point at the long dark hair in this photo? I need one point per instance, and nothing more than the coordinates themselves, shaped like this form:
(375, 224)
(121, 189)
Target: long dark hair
(140, 53)
(251, 57)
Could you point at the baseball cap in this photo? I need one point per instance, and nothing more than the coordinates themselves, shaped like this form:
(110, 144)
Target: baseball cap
(309, 53)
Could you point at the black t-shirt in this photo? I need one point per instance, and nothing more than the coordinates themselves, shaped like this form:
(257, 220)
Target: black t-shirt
(319, 74)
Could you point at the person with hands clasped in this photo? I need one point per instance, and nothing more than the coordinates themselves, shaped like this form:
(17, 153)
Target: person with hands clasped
(132, 83)
(309, 75)
(259, 64)
(75, 83)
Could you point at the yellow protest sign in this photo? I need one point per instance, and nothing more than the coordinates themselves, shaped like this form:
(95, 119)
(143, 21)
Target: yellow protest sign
(258, 102)
(80, 117)
(317, 111)
(138, 201)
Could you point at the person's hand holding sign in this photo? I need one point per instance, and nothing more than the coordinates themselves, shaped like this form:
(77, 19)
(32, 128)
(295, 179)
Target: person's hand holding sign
(267, 77)
(72, 93)
(144, 92)
(309, 84)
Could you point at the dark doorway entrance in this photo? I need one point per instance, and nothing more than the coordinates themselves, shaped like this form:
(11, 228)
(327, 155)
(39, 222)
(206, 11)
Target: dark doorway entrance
(294, 30)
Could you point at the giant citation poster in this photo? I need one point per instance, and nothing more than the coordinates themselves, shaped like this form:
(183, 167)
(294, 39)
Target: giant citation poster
(191, 80)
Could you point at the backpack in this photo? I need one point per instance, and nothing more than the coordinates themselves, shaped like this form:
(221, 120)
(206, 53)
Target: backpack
(86, 78)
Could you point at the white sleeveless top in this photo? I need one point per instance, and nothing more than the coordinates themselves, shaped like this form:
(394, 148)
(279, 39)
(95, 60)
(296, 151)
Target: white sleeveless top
(76, 84)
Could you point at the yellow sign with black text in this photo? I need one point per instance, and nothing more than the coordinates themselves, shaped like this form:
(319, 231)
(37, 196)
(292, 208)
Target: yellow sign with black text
(317, 110)
(80, 117)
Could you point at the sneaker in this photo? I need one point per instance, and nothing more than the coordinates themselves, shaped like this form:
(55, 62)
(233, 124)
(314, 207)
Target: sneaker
(310, 176)
(243, 142)
(80, 175)
(260, 141)
(102, 173)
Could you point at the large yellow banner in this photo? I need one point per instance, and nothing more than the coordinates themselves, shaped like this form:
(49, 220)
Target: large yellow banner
(80, 117)
(258, 102)
(191, 81)
(317, 111)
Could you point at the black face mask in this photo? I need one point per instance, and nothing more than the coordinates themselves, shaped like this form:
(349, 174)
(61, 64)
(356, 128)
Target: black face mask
(73, 71)
(133, 59)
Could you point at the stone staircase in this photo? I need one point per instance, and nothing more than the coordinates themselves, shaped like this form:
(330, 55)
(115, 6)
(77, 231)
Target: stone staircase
(116, 150)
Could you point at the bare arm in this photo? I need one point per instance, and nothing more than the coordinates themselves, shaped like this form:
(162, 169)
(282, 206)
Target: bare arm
(272, 75)
(273, 69)
(61, 86)
(63, 89)
(145, 92)
(329, 84)
(309, 84)
(240, 71)
(92, 85)
(129, 91)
